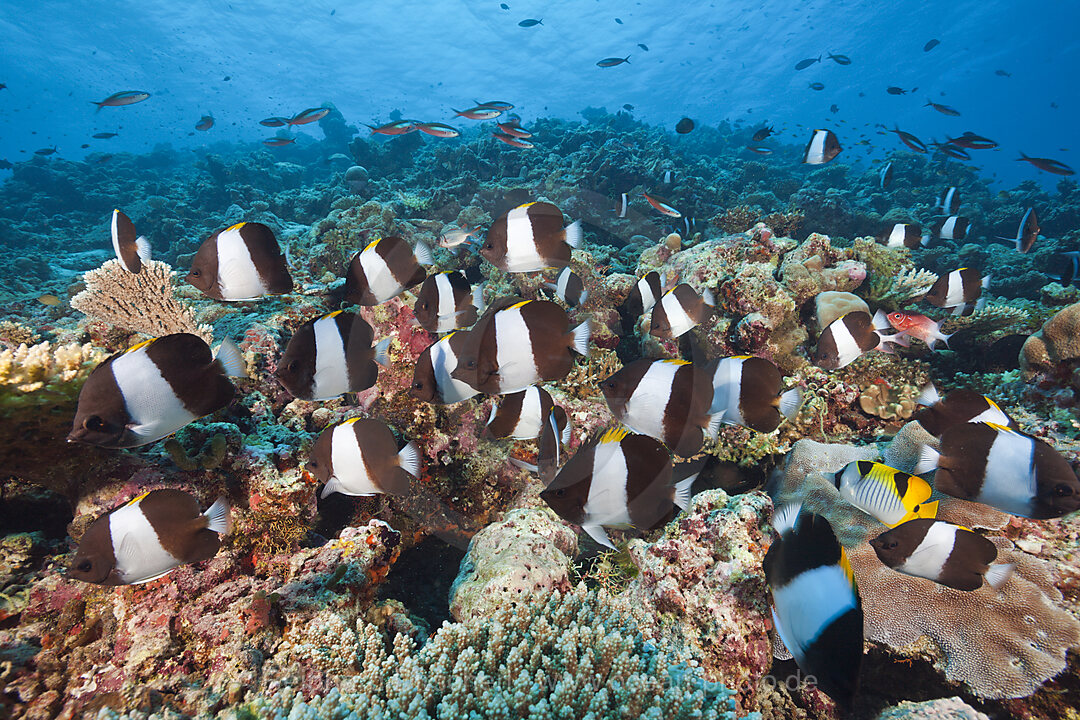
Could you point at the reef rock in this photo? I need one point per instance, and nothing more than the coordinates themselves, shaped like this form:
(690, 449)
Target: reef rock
(700, 587)
(519, 559)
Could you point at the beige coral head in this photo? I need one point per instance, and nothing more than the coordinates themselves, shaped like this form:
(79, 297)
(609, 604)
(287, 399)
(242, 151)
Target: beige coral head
(1057, 342)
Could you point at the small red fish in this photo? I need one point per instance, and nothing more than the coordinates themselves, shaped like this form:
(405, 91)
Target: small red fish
(917, 326)
(398, 127)
(662, 205)
(511, 140)
(480, 112)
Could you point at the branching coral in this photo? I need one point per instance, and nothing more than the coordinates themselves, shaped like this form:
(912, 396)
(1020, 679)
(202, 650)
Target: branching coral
(14, 333)
(42, 367)
(904, 287)
(572, 656)
(989, 319)
(143, 302)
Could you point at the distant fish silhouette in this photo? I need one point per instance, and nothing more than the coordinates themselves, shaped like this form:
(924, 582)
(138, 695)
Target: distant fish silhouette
(127, 97)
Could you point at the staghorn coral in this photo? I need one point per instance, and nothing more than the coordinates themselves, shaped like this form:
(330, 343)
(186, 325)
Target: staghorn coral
(1000, 644)
(573, 656)
(143, 302)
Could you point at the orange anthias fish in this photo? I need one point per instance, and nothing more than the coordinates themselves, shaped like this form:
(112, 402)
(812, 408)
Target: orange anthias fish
(916, 325)
(511, 140)
(662, 205)
(398, 127)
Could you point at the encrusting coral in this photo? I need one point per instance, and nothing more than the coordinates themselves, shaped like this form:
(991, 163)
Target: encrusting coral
(143, 301)
(525, 554)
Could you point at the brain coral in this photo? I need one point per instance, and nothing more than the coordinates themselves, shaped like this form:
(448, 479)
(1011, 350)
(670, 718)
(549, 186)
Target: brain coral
(1001, 644)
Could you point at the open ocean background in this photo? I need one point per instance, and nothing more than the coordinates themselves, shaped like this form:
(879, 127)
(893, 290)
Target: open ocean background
(714, 61)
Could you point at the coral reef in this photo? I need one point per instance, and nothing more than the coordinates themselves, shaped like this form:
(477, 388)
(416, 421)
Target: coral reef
(701, 590)
(524, 555)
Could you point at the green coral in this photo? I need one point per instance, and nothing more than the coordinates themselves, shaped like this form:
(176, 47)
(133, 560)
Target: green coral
(208, 459)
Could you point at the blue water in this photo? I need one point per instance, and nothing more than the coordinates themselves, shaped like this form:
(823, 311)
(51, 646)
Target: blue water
(711, 61)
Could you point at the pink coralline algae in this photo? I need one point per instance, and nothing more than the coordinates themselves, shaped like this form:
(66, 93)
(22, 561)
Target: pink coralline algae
(701, 588)
(195, 632)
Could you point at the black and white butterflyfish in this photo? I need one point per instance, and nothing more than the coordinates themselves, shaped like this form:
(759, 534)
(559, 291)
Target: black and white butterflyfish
(521, 415)
(850, 336)
(446, 302)
(904, 235)
(1003, 468)
(360, 457)
(816, 607)
(949, 202)
(747, 392)
(569, 288)
(384, 269)
(665, 399)
(1027, 233)
(622, 205)
(948, 554)
(132, 250)
(680, 310)
(147, 537)
(153, 389)
(433, 381)
(241, 262)
(953, 227)
(330, 356)
(822, 148)
(885, 176)
(618, 480)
